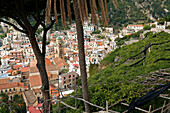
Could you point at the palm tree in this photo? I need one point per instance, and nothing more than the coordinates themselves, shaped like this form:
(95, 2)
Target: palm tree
(81, 15)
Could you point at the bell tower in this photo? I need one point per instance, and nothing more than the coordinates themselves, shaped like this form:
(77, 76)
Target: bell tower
(59, 50)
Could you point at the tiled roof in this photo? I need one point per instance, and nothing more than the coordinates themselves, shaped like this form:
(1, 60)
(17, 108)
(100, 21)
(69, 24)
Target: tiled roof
(38, 90)
(76, 65)
(33, 63)
(35, 80)
(11, 85)
(60, 62)
(30, 97)
(24, 69)
(49, 56)
(32, 109)
(9, 71)
(17, 42)
(48, 68)
(5, 80)
(17, 66)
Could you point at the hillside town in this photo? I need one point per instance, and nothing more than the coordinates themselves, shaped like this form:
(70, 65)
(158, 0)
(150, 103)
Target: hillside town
(19, 74)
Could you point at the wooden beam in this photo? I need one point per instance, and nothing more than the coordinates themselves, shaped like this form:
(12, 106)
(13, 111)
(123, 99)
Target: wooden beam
(66, 104)
(164, 97)
(94, 104)
(160, 108)
(135, 108)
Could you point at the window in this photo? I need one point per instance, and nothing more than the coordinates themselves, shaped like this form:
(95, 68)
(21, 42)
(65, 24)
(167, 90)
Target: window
(64, 78)
(5, 90)
(73, 75)
(40, 92)
(69, 76)
(1, 91)
(70, 80)
(9, 89)
(64, 82)
(35, 93)
(14, 89)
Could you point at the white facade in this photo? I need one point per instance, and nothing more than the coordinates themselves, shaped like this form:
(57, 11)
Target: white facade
(135, 27)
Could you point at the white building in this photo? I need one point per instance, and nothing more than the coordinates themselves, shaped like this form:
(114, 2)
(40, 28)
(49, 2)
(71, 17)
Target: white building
(135, 27)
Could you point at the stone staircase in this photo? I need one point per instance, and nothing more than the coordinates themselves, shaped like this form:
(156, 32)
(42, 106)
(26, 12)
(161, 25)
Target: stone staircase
(30, 97)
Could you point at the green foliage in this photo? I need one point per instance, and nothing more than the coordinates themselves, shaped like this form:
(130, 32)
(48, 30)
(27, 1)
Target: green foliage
(146, 27)
(115, 79)
(18, 104)
(96, 32)
(3, 35)
(4, 97)
(3, 108)
(168, 27)
(101, 37)
(64, 71)
(39, 30)
(67, 28)
(121, 41)
(93, 69)
(128, 12)
(110, 58)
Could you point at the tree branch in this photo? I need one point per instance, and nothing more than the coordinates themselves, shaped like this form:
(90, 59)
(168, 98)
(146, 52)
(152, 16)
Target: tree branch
(14, 26)
(45, 37)
(37, 24)
(20, 23)
(52, 23)
(44, 43)
(23, 14)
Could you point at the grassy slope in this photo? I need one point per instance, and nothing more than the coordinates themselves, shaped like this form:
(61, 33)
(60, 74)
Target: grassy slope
(114, 85)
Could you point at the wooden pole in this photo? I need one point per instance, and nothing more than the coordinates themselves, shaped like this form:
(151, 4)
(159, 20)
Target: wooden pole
(51, 100)
(163, 106)
(136, 108)
(160, 108)
(107, 108)
(58, 96)
(93, 104)
(75, 98)
(150, 109)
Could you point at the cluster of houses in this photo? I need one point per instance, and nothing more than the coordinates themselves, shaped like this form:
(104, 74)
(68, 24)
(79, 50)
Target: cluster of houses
(130, 29)
(18, 71)
(156, 27)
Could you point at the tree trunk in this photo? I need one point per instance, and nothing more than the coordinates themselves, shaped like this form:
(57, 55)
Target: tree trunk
(80, 37)
(43, 73)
